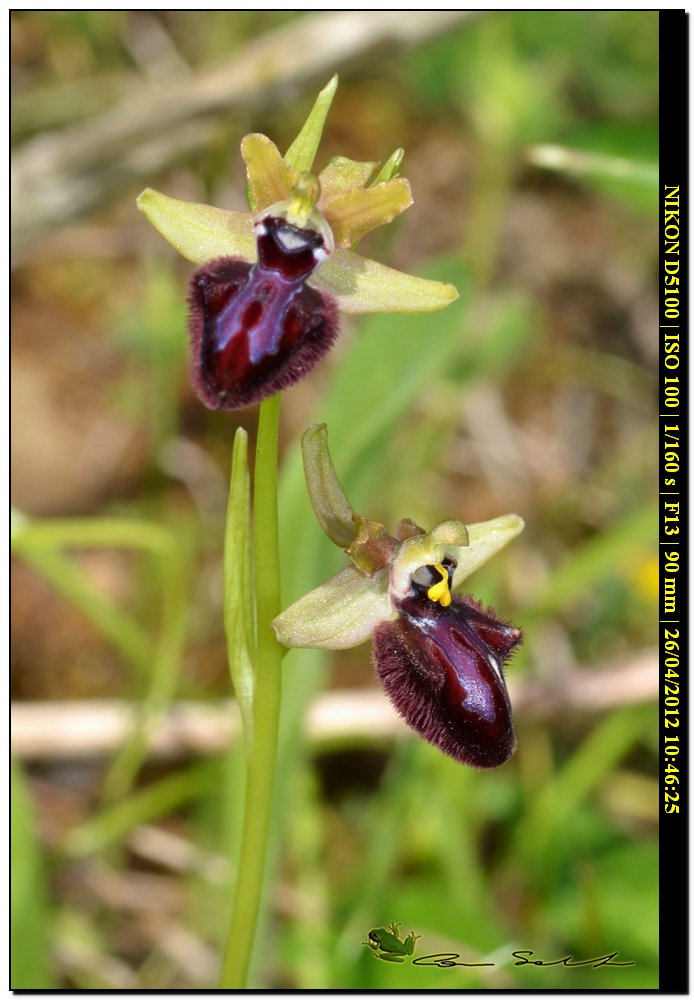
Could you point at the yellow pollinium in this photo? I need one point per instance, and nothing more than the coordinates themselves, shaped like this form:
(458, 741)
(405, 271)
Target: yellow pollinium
(440, 591)
(305, 194)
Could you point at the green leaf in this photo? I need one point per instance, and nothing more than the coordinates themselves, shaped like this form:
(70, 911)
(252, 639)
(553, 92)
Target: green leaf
(157, 799)
(29, 907)
(619, 159)
(579, 163)
(199, 232)
(87, 532)
(361, 285)
(302, 152)
(70, 579)
(238, 605)
(614, 551)
(540, 838)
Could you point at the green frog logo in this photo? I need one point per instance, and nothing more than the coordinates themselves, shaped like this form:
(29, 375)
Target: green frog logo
(386, 943)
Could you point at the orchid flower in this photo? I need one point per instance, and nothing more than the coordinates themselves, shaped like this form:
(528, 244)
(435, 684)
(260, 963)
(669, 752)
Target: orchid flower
(439, 655)
(264, 303)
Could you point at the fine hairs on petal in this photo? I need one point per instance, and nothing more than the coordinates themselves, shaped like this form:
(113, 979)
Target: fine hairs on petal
(224, 373)
(442, 672)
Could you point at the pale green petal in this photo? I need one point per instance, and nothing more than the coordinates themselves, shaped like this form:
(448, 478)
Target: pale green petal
(302, 152)
(269, 178)
(486, 539)
(361, 285)
(340, 614)
(353, 214)
(343, 174)
(199, 232)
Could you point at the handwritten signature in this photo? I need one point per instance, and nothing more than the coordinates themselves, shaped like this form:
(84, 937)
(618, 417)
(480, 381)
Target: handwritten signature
(448, 959)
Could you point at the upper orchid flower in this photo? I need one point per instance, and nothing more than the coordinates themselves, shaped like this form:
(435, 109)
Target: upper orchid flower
(264, 304)
(438, 654)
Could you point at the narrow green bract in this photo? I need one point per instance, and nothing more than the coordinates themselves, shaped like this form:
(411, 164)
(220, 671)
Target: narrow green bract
(238, 602)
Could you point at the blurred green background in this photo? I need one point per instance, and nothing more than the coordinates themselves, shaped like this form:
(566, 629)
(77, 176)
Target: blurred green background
(531, 147)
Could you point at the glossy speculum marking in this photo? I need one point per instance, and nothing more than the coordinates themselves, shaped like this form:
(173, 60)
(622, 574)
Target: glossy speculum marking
(258, 328)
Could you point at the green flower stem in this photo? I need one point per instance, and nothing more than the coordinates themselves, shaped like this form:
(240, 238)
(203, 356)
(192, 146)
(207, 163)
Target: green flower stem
(266, 707)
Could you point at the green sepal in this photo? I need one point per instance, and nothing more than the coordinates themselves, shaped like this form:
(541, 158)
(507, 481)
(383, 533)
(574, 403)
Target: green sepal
(199, 232)
(302, 152)
(362, 285)
(238, 590)
(330, 505)
(341, 613)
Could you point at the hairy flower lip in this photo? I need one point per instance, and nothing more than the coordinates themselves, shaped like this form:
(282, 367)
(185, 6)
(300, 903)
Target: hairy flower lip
(264, 357)
(442, 669)
(438, 655)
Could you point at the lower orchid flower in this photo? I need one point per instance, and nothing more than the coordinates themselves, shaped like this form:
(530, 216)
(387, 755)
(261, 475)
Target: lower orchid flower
(439, 655)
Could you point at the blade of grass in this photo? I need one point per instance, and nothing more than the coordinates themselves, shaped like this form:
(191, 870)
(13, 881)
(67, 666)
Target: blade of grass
(156, 800)
(104, 533)
(165, 671)
(119, 628)
(539, 838)
(30, 942)
(611, 551)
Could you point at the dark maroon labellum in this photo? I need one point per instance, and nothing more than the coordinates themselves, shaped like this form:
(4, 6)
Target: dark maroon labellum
(442, 668)
(258, 328)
